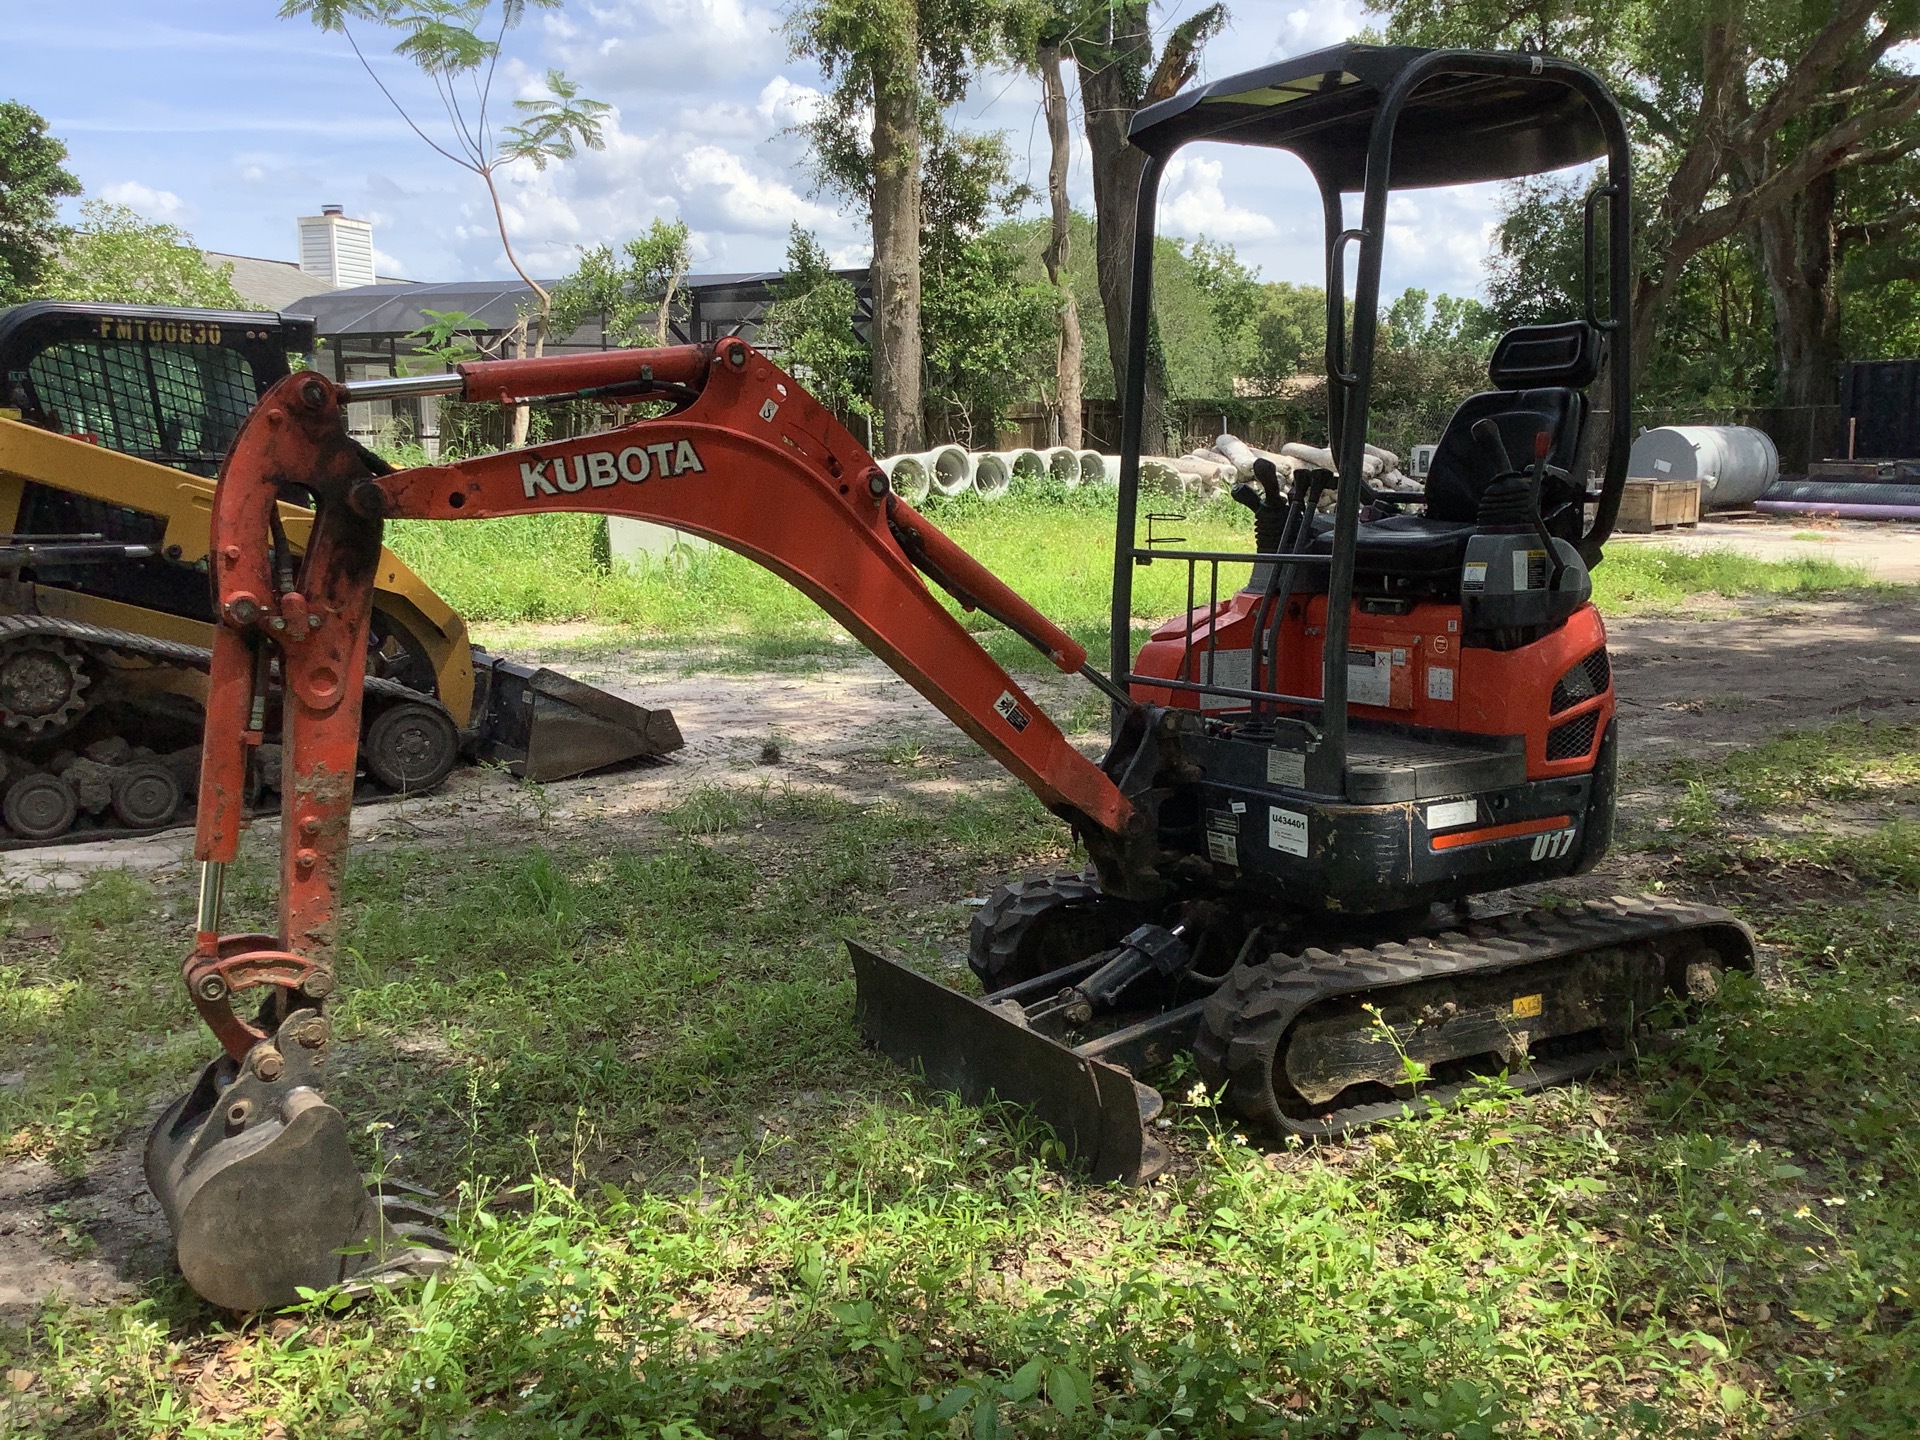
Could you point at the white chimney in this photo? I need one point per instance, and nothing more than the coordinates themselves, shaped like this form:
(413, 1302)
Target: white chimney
(336, 250)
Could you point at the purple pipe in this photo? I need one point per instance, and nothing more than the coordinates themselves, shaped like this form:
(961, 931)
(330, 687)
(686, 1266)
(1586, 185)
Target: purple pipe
(1843, 512)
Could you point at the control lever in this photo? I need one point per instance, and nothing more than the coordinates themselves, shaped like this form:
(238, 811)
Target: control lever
(1487, 434)
(1542, 445)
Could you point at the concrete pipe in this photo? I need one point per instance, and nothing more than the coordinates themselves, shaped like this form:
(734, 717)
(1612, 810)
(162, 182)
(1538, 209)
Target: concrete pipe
(1094, 469)
(1063, 465)
(991, 476)
(949, 469)
(1733, 463)
(1109, 467)
(908, 477)
(1238, 453)
(1025, 467)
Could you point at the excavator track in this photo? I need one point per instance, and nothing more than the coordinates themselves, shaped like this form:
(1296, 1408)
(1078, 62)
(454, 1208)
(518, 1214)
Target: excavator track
(129, 780)
(1317, 1044)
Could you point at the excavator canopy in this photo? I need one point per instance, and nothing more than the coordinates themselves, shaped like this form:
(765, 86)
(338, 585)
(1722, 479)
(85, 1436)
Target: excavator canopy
(1456, 129)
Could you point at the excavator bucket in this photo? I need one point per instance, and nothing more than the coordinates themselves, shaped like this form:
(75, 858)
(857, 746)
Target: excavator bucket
(253, 1170)
(547, 726)
(985, 1051)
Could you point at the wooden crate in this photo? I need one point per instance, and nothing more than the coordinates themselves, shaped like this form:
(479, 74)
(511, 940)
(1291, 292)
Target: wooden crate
(1649, 505)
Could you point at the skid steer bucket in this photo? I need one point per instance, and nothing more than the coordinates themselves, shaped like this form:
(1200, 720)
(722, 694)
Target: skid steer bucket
(261, 1191)
(984, 1050)
(547, 726)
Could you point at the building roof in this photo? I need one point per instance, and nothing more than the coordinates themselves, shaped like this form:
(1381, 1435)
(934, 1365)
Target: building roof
(399, 308)
(271, 284)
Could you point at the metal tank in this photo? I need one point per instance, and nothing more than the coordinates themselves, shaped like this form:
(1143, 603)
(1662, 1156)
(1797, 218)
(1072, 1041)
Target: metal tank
(1733, 463)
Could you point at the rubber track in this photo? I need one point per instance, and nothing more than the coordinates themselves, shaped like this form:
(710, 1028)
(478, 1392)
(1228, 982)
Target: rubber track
(145, 647)
(1249, 1014)
(148, 647)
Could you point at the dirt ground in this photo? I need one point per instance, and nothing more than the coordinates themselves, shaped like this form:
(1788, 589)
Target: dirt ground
(1694, 685)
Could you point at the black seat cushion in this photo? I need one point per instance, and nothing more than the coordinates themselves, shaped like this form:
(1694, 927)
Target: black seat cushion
(1401, 544)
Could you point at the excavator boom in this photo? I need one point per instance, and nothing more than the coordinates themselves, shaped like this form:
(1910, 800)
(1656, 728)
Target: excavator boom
(747, 459)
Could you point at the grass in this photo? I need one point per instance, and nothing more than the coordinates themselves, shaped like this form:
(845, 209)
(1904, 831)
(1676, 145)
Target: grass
(691, 1205)
(1055, 548)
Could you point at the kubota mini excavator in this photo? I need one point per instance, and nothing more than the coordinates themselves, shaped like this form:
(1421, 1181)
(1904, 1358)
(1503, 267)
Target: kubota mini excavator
(113, 422)
(1405, 707)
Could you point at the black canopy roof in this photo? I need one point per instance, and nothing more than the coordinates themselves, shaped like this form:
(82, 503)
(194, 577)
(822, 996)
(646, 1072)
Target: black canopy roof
(1455, 130)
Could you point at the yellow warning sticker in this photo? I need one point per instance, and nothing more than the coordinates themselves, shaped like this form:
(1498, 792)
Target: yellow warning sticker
(1525, 1007)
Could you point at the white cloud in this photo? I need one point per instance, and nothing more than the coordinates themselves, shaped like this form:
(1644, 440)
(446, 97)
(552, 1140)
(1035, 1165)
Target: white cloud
(153, 204)
(1316, 25)
(1192, 203)
(646, 48)
(721, 188)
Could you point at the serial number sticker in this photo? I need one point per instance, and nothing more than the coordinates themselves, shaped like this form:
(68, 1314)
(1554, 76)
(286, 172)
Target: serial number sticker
(1287, 767)
(1439, 681)
(1449, 813)
(1286, 831)
(1223, 847)
(1526, 1007)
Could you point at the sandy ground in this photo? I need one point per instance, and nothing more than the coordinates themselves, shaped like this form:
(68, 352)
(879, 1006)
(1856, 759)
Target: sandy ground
(1686, 685)
(1885, 550)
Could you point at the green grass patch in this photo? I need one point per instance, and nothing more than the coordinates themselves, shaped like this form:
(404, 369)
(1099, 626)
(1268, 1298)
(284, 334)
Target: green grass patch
(1644, 577)
(691, 1205)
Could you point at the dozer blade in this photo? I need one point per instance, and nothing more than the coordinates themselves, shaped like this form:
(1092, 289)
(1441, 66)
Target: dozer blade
(982, 1053)
(547, 726)
(261, 1192)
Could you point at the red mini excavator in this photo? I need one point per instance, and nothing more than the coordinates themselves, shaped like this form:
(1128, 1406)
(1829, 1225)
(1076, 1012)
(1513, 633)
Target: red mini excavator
(1406, 706)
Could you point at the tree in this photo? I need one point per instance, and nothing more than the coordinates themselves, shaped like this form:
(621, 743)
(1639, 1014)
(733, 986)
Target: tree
(985, 327)
(810, 323)
(1113, 48)
(1049, 62)
(1289, 334)
(633, 290)
(114, 255)
(457, 45)
(1746, 116)
(895, 65)
(33, 179)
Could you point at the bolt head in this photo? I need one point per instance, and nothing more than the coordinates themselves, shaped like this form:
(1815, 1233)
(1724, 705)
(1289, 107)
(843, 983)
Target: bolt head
(213, 988)
(314, 1033)
(268, 1064)
(877, 484)
(243, 612)
(238, 1112)
(277, 623)
(317, 986)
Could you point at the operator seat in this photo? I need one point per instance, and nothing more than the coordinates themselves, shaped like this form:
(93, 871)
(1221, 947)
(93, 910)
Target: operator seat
(1540, 374)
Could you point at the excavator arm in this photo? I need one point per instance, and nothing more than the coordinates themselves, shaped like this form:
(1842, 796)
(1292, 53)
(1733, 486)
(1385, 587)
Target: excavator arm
(747, 459)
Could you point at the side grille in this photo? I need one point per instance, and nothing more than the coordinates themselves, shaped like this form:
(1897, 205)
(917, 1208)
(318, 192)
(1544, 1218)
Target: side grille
(1573, 739)
(1584, 681)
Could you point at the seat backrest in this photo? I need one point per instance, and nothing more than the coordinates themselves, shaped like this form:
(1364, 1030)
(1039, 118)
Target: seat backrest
(1540, 372)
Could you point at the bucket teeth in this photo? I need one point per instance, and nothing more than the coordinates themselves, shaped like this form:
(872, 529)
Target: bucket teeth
(260, 1189)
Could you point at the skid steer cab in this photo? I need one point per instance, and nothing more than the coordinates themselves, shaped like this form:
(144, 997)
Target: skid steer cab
(1407, 706)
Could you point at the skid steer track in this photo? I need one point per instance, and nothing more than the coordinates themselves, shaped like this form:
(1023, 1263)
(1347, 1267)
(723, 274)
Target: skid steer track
(105, 650)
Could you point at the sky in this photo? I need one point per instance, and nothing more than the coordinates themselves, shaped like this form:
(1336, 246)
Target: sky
(219, 117)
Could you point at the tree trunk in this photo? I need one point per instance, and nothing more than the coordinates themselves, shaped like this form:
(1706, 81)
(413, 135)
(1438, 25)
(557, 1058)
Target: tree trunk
(1797, 251)
(1067, 356)
(1111, 89)
(896, 250)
